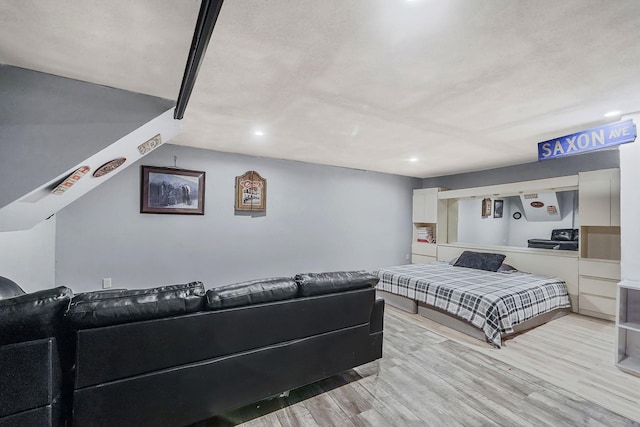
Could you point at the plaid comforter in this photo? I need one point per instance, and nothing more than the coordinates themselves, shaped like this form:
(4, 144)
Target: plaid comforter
(493, 302)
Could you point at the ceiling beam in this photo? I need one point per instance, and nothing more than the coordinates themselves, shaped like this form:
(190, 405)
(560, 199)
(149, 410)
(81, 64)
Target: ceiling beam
(209, 11)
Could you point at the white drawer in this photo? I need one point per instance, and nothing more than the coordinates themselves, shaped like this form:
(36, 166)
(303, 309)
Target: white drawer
(421, 259)
(427, 249)
(600, 268)
(600, 287)
(598, 304)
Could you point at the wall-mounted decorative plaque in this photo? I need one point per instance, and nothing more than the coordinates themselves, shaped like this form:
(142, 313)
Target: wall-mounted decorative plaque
(70, 180)
(109, 167)
(251, 192)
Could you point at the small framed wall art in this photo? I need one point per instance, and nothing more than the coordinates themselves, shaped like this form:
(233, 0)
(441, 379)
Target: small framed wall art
(251, 192)
(171, 191)
(486, 207)
(498, 207)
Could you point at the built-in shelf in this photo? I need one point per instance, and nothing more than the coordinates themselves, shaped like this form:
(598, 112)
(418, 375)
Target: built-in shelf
(628, 327)
(426, 208)
(630, 364)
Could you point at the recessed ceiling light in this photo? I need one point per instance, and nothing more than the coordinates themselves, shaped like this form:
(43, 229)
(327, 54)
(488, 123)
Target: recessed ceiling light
(258, 133)
(613, 113)
(413, 159)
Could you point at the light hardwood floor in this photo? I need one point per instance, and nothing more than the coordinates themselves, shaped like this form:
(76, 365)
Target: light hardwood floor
(561, 373)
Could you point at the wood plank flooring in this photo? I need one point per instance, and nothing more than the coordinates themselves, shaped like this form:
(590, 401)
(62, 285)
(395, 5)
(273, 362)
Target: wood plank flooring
(559, 374)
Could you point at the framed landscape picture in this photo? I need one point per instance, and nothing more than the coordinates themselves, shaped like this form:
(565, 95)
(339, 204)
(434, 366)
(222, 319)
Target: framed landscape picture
(171, 191)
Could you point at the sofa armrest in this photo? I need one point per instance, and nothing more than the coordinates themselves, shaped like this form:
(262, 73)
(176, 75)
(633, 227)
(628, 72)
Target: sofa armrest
(30, 375)
(376, 324)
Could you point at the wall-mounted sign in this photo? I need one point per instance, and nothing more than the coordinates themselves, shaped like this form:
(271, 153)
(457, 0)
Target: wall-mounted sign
(251, 192)
(149, 145)
(588, 140)
(109, 167)
(70, 180)
(486, 207)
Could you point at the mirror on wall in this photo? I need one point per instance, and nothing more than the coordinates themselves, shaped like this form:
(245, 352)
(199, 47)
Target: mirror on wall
(515, 220)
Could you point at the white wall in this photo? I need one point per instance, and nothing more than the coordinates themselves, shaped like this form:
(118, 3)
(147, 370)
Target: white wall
(27, 257)
(562, 166)
(522, 230)
(49, 124)
(507, 231)
(473, 228)
(318, 218)
(630, 208)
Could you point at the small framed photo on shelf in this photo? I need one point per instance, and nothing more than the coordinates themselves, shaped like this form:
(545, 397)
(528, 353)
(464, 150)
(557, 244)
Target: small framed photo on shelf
(498, 207)
(171, 191)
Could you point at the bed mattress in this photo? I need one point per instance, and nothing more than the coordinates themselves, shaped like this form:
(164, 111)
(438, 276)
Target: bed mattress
(492, 302)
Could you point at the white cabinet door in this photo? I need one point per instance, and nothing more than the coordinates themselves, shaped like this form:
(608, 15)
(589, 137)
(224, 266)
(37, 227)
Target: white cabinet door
(418, 207)
(425, 205)
(595, 198)
(615, 197)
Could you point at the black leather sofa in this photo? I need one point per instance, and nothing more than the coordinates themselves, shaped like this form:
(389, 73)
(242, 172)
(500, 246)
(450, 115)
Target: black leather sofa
(31, 355)
(176, 355)
(565, 239)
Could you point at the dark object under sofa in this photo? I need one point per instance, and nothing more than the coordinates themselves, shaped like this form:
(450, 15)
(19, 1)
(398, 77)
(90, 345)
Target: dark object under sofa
(30, 355)
(177, 356)
(565, 239)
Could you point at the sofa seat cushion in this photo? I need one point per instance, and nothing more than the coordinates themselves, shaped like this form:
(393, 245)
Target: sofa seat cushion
(252, 292)
(310, 284)
(33, 316)
(111, 307)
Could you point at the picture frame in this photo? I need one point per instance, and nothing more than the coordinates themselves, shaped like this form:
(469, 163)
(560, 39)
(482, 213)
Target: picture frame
(486, 207)
(171, 191)
(251, 192)
(498, 207)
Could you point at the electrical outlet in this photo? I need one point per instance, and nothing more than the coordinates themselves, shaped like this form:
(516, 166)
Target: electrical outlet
(106, 282)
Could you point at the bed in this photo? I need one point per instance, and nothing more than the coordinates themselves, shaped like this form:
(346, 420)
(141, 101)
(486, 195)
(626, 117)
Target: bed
(497, 304)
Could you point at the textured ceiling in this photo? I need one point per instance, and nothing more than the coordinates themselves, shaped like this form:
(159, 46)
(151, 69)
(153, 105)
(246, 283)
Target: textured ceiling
(461, 85)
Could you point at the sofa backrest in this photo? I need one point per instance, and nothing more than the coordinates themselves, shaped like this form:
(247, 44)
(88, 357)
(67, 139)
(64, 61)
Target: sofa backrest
(135, 348)
(115, 306)
(338, 281)
(253, 292)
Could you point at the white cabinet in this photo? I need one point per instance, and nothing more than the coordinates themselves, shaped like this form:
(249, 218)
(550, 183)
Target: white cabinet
(599, 196)
(598, 282)
(599, 200)
(425, 205)
(628, 327)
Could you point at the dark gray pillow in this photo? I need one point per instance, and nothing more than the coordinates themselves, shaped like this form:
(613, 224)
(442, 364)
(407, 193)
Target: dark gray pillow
(115, 306)
(325, 283)
(252, 292)
(480, 260)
